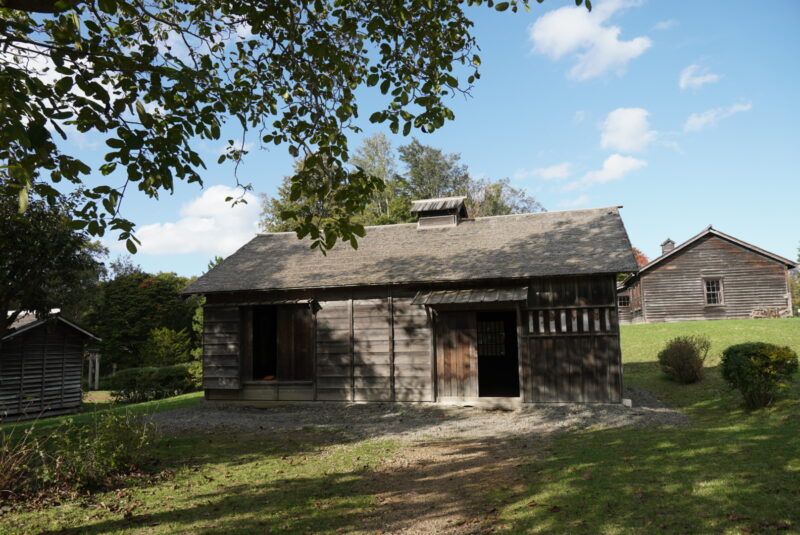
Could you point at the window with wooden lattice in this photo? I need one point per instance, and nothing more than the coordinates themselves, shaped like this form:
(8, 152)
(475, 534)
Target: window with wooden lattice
(623, 301)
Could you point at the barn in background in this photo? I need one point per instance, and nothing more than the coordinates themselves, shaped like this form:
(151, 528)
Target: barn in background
(518, 308)
(41, 364)
(711, 276)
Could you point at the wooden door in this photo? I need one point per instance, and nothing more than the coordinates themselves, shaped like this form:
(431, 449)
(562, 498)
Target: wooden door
(456, 354)
(294, 343)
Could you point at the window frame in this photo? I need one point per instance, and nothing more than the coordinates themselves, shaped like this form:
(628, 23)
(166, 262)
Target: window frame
(721, 292)
(627, 298)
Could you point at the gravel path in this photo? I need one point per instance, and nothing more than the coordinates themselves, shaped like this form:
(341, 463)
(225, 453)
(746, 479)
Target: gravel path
(414, 422)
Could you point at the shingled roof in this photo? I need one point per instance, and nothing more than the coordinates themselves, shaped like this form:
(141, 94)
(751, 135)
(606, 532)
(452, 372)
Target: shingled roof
(575, 242)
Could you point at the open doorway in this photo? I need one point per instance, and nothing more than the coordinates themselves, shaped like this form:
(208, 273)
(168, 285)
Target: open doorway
(265, 343)
(498, 360)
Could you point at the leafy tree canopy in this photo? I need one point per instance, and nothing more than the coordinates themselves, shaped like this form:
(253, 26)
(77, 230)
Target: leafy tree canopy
(44, 264)
(131, 306)
(151, 77)
(429, 173)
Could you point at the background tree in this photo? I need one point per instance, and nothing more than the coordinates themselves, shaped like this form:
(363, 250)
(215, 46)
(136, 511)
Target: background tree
(487, 197)
(131, 306)
(151, 77)
(641, 258)
(44, 264)
(428, 172)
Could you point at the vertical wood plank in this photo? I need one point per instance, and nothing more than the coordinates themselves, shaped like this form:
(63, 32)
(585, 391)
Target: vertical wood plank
(352, 351)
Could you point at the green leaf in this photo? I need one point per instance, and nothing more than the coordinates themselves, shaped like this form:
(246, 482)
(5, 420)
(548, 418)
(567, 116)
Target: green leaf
(501, 6)
(130, 246)
(108, 6)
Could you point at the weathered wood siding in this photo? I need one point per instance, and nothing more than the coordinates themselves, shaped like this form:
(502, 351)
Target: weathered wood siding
(374, 345)
(335, 350)
(413, 351)
(674, 291)
(368, 345)
(40, 372)
(221, 342)
(572, 333)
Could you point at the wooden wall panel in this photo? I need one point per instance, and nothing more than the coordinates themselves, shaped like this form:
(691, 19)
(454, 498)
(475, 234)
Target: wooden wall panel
(413, 353)
(572, 336)
(372, 351)
(673, 291)
(222, 367)
(333, 346)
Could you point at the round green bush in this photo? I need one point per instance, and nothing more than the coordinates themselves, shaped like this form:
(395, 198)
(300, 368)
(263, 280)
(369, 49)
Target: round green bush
(758, 370)
(683, 357)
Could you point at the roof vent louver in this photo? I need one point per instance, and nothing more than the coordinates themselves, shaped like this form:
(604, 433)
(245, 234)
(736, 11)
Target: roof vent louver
(441, 212)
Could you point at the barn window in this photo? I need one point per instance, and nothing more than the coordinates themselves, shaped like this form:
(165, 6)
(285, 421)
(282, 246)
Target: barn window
(624, 300)
(713, 291)
(491, 338)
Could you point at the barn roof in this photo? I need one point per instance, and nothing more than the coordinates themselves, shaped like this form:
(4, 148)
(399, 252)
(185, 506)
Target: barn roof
(576, 242)
(710, 231)
(28, 321)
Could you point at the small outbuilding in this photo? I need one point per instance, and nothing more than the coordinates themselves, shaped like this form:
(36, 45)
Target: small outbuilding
(518, 309)
(710, 276)
(41, 365)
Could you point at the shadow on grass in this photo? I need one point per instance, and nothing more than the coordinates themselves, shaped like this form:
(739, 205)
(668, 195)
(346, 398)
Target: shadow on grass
(741, 474)
(303, 484)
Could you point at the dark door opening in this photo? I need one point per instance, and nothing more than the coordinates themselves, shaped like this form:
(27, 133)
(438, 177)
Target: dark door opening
(498, 361)
(265, 343)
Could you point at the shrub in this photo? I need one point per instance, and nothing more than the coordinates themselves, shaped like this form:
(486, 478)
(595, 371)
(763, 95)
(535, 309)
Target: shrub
(758, 370)
(17, 457)
(134, 385)
(683, 357)
(86, 456)
(72, 457)
(165, 347)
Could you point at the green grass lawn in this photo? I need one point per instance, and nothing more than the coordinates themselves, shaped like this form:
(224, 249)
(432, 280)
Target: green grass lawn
(92, 406)
(728, 471)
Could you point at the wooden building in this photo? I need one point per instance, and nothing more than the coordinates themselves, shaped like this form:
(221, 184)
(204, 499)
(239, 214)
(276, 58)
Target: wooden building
(711, 276)
(41, 364)
(449, 309)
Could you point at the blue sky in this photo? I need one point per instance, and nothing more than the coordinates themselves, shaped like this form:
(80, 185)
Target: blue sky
(684, 112)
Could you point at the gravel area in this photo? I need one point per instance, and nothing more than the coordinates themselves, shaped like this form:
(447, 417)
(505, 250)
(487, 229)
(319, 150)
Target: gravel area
(417, 421)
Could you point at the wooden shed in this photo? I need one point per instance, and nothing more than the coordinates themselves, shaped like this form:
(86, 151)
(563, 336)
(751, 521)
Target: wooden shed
(41, 363)
(710, 276)
(449, 309)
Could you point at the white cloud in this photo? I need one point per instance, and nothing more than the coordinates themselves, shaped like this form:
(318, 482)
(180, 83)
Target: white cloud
(708, 118)
(596, 46)
(695, 76)
(615, 167)
(665, 24)
(208, 224)
(553, 172)
(573, 203)
(627, 130)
